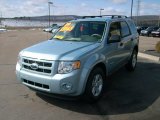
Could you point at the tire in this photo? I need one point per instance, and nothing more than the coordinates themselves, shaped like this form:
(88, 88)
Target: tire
(149, 35)
(95, 85)
(131, 65)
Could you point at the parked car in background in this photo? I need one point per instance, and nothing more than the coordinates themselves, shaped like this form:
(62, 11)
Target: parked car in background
(156, 33)
(3, 30)
(55, 29)
(140, 28)
(148, 31)
(49, 29)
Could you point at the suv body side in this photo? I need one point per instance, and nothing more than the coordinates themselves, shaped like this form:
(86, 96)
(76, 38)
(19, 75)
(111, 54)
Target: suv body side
(112, 55)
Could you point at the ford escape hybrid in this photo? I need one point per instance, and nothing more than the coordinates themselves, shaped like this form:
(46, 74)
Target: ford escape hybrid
(77, 59)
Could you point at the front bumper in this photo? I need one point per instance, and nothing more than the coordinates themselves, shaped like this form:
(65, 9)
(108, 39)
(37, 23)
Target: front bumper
(144, 34)
(156, 34)
(64, 84)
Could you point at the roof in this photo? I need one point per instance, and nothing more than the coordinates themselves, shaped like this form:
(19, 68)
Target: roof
(103, 18)
(92, 19)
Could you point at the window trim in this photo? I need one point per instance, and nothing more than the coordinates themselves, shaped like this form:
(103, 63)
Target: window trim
(104, 31)
(128, 28)
(129, 22)
(108, 41)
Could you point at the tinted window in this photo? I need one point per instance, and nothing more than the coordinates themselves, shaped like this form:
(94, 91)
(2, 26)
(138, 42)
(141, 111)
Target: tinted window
(132, 26)
(149, 28)
(81, 31)
(124, 29)
(156, 28)
(114, 29)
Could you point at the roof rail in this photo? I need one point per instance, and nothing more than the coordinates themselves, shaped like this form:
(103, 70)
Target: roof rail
(111, 16)
(90, 16)
(115, 16)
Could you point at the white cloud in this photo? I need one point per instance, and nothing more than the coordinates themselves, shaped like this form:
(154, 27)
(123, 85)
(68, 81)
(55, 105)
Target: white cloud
(152, 6)
(83, 4)
(25, 8)
(148, 9)
(34, 8)
(119, 1)
(111, 11)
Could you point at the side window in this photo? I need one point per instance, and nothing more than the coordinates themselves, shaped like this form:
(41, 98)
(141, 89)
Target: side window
(97, 28)
(124, 29)
(114, 30)
(132, 26)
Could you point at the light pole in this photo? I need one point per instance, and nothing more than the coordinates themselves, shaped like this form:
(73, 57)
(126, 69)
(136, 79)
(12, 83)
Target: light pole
(131, 8)
(101, 11)
(159, 21)
(49, 3)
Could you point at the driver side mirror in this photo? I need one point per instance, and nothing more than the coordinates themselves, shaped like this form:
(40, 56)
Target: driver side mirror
(114, 38)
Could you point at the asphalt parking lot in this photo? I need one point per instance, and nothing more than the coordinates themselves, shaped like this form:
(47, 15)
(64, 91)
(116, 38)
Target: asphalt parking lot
(129, 96)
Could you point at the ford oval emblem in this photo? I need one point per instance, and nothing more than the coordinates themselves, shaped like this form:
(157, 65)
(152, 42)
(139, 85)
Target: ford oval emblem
(34, 66)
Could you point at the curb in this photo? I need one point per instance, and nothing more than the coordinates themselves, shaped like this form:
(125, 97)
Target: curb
(150, 57)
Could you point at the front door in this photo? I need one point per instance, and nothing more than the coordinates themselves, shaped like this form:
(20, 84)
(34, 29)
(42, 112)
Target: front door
(114, 48)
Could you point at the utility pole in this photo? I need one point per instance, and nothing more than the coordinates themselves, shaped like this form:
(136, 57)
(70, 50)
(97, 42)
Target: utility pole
(49, 3)
(159, 21)
(131, 8)
(101, 11)
(0, 18)
(138, 10)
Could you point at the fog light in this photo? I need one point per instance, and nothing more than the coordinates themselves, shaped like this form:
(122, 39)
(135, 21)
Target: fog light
(67, 86)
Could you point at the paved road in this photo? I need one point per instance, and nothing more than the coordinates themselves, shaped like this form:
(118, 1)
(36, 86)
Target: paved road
(129, 96)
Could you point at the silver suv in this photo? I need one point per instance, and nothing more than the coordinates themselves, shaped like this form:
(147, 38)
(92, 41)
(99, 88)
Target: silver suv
(77, 59)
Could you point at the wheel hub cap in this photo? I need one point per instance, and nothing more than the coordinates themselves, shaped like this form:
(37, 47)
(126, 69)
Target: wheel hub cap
(97, 85)
(134, 60)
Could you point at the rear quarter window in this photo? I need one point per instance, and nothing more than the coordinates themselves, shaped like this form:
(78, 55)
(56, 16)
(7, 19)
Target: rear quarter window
(132, 26)
(125, 31)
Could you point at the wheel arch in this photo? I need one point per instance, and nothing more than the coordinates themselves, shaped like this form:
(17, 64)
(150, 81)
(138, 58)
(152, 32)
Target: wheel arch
(136, 48)
(100, 65)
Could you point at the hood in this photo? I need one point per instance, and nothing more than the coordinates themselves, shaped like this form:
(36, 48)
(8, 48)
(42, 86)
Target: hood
(56, 49)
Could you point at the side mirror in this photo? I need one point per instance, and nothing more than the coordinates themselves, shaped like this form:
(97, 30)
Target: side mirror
(114, 38)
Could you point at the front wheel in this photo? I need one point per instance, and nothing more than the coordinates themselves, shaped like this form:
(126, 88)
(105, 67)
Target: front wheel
(131, 65)
(94, 86)
(149, 35)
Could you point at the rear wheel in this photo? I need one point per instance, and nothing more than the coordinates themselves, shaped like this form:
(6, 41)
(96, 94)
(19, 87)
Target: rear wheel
(95, 85)
(131, 65)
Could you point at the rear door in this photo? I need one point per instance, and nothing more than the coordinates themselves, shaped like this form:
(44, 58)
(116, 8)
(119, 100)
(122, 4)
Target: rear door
(126, 41)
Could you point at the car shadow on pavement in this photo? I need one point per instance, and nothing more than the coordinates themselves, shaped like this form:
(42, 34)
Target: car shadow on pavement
(127, 92)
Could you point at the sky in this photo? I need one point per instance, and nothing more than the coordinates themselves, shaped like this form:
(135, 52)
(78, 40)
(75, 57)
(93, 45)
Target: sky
(19, 8)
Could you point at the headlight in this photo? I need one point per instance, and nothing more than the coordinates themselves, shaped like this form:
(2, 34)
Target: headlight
(67, 67)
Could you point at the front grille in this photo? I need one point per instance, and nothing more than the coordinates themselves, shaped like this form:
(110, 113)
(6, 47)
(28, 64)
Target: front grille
(42, 66)
(36, 84)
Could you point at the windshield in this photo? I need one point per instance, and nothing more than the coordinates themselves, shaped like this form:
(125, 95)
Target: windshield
(158, 30)
(149, 28)
(81, 31)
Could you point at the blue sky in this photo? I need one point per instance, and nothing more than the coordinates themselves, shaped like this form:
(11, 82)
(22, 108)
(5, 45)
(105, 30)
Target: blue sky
(17, 8)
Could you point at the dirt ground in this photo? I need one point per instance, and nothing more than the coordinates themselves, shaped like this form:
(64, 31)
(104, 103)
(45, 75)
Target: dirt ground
(147, 43)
